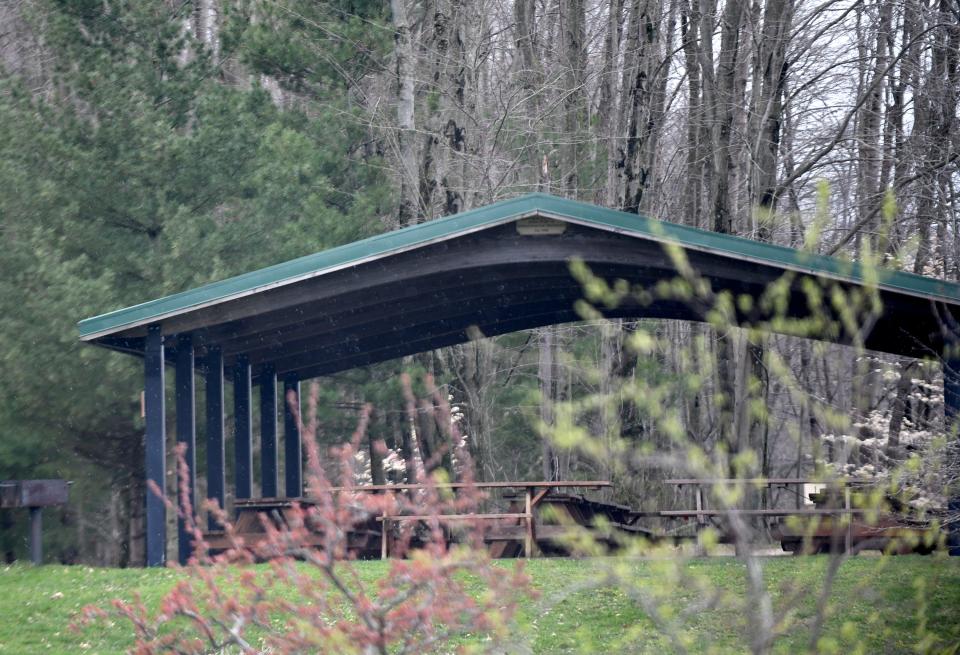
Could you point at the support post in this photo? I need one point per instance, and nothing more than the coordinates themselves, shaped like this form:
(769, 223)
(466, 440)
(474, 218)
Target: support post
(186, 434)
(243, 428)
(951, 410)
(528, 540)
(292, 450)
(848, 517)
(701, 520)
(268, 432)
(216, 467)
(156, 446)
(36, 535)
(384, 527)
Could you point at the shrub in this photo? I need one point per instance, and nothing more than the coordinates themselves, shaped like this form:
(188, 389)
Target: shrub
(309, 597)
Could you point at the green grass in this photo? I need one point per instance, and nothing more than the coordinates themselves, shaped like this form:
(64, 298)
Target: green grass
(876, 603)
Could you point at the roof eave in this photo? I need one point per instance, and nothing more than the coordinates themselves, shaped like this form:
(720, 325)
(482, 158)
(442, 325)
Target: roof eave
(120, 329)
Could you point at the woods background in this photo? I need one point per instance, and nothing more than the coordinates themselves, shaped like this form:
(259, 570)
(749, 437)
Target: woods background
(151, 146)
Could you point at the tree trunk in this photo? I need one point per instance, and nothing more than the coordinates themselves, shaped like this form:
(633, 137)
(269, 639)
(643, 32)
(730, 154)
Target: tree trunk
(406, 135)
(375, 446)
(770, 73)
(609, 99)
(546, 375)
(723, 110)
(572, 30)
(695, 157)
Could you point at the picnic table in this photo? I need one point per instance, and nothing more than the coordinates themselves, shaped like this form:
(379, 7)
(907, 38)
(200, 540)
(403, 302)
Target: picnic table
(841, 525)
(34, 495)
(508, 533)
(253, 513)
(505, 530)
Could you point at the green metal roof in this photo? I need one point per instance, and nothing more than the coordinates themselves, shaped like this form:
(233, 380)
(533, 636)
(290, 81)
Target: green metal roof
(535, 204)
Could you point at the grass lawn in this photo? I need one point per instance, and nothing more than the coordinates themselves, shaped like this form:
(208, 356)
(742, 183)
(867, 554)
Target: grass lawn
(887, 605)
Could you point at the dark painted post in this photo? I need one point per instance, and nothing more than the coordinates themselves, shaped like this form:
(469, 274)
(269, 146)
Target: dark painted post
(156, 446)
(186, 434)
(268, 432)
(36, 535)
(292, 458)
(243, 428)
(951, 409)
(215, 452)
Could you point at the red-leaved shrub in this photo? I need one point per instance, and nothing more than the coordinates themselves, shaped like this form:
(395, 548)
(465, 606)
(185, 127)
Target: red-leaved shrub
(309, 596)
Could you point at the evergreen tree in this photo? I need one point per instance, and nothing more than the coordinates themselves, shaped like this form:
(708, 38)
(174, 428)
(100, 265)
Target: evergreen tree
(141, 173)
